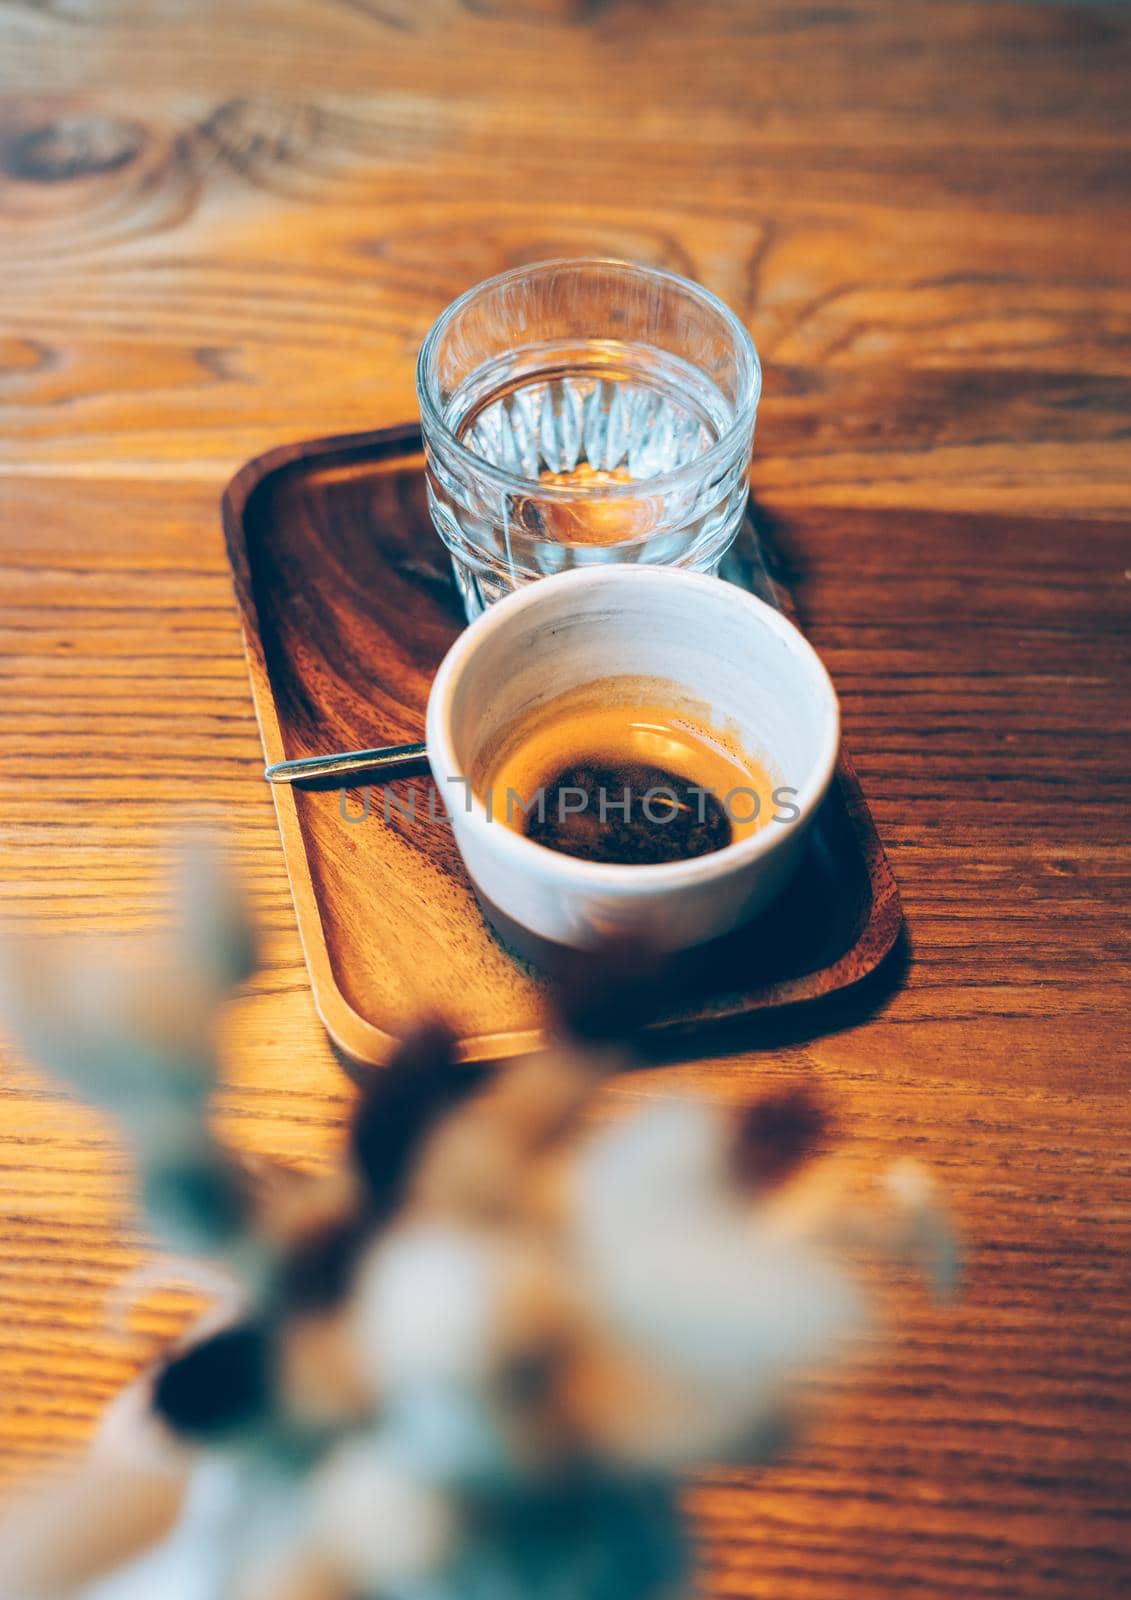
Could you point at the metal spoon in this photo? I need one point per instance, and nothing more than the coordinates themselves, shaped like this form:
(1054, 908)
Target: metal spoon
(392, 761)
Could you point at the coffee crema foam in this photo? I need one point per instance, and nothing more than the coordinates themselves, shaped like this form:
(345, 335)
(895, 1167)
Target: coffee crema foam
(626, 770)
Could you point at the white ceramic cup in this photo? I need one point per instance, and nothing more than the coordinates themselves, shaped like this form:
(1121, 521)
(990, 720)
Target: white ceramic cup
(729, 652)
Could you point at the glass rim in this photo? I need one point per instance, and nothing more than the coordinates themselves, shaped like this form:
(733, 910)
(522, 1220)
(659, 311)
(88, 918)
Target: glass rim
(746, 406)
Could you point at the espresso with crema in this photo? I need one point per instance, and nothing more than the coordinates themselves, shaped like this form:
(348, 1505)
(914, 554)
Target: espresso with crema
(625, 771)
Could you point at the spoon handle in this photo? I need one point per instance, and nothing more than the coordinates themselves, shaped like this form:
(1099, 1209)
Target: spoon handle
(392, 761)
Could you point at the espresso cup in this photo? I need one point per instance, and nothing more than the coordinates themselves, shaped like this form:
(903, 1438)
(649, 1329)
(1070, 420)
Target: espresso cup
(742, 662)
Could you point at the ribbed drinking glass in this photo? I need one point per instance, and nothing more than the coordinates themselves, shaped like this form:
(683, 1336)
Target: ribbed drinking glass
(585, 411)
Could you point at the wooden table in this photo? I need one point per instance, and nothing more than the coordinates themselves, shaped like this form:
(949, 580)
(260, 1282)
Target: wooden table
(224, 226)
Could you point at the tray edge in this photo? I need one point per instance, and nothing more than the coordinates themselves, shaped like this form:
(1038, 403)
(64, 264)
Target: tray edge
(358, 1038)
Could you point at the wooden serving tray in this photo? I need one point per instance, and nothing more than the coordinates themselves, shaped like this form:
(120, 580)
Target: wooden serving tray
(348, 606)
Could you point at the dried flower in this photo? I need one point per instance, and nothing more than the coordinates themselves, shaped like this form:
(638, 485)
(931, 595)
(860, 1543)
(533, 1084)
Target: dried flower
(473, 1361)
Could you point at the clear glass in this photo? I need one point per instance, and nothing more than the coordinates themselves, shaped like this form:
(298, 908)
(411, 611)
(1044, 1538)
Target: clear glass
(583, 411)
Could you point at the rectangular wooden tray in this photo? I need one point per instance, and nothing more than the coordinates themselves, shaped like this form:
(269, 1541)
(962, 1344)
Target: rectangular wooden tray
(348, 606)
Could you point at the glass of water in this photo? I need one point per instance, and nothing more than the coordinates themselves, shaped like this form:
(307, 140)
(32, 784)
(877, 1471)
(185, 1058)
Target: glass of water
(585, 411)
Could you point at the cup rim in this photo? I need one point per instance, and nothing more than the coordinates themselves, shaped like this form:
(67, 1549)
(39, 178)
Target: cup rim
(559, 868)
(746, 407)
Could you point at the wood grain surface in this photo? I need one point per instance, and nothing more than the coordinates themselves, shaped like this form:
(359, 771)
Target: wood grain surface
(227, 226)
